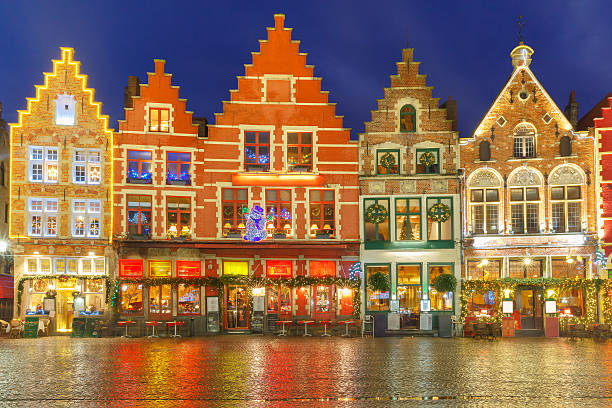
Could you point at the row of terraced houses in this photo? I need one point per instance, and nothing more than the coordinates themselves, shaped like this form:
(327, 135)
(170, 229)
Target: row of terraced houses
(272, 211)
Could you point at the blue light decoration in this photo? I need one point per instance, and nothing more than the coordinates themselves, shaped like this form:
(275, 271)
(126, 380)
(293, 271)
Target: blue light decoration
(490, 298)
(355, 271)
(133, 174)
(286, 215)
(256, 224)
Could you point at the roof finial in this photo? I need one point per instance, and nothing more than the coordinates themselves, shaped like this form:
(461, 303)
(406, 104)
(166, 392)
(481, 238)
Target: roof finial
(520, 24)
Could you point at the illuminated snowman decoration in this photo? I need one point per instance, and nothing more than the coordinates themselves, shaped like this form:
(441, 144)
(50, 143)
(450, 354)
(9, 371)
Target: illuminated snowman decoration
(256, 224)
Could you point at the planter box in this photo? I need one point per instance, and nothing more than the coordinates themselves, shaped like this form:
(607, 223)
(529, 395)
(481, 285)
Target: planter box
(300, 169)
(256, 167)
(323, 236)
(279, 236)
(234, 235)
(140, 237)
(179, 182)
(138, 181)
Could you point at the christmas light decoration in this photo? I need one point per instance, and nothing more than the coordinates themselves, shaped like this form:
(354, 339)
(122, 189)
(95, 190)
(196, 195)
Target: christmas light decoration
(256, 224)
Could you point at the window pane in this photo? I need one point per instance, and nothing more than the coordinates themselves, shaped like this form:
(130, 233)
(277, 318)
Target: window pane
(516, 194)
(573, 192)
(556, 193)
(532, 194)
(409, 275)
(293, 138)
(477, 196)
(492, 195)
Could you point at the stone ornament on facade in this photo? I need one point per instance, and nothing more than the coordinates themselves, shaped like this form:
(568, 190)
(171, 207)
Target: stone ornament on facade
(566, 175)
(524, 177)
(408, 186)
(376, 187)
(485, 178)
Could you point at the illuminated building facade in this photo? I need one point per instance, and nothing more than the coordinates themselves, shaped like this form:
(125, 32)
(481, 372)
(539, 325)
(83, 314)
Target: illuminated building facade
(6, 270)
(529, 201)
(409, 203)
(158, 176)
(59, 217)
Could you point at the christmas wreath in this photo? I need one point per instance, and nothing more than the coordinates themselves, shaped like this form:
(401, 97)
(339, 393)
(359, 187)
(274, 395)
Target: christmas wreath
(376, 214)
(329, 211)
(387, 161)
(439, 212)
(316, 211)
(228, 211)
(427, 159)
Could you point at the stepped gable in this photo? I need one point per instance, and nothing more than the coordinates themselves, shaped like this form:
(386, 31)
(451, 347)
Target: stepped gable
(279, 76)
(408, 81)
(159, 89)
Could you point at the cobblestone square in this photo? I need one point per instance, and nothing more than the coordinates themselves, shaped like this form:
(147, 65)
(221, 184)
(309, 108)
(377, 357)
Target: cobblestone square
(268, 371)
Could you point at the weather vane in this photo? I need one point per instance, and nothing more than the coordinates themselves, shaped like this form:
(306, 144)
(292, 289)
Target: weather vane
(520, 24)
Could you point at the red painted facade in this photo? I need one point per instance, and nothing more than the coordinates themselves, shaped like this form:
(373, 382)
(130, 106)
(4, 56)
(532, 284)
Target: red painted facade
(600, 118)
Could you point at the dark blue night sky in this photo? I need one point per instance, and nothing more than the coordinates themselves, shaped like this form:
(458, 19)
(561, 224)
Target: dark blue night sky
(463, 47)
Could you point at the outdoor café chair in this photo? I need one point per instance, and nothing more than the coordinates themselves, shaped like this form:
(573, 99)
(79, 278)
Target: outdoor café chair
(16, 328)
(481, 330)
(367, 326)
(4, 328)
(577, 331)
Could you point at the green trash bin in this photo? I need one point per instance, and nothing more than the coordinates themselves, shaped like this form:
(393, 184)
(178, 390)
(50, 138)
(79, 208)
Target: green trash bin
(78, 327)
(91, 327)
(30, 328)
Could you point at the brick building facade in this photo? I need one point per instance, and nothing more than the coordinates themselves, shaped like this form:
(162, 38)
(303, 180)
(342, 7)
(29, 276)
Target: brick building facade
(409, 203)
(60, 218)
(529, 198)
(6, 258)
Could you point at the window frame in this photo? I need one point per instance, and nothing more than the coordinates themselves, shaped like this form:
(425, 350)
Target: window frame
(485, 209)
(408, 214)
(417, 156)
(139, 226)
(237, 206)
(399, 161)
(565, 202)
(88, 166)
(524, 203)
(388, 265)
(44, 214)
(365, 222)
(278, 221)
(299, 147)
(45, 162)
(186, 179)
(403, 114)
(452, 218)
(88, 215)
(156, 111)
(139, 163)
(320, 220)
(257, 145)
(178, 211)
(429, 288)
(419, 285)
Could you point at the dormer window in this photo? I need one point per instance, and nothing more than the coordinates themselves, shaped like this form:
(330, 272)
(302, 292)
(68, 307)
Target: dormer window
(65, 110)
(408, 119)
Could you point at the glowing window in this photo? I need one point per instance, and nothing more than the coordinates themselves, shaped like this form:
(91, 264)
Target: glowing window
(65, 110)
(236, 268)
(160, 269)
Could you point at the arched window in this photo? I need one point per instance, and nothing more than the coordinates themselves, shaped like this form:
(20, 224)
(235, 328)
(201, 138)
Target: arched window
(484, 199)
(524, 185)
(524, 141)
(566, 199)
(408, 119)
(484, 151)
(565, 146)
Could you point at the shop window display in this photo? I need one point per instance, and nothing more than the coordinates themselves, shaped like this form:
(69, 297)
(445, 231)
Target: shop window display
(409, 292)
(131, 298)
(569, 267)
(570, 302)
(188, 299)
(485, 269)
(160, 301)
(376, 300)
(440, 301)
(93, 292)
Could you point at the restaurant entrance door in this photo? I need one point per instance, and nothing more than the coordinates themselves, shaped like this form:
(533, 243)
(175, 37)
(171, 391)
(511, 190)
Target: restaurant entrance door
(323, 302)
(64, 311)
(236, 308)
(529, 303)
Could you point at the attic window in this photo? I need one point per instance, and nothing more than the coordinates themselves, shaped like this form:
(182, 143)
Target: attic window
(501, 121)
(65, 110)
(546, 118)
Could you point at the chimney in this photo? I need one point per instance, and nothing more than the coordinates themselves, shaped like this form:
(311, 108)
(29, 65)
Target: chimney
(131, 90)
(202, 124)
(451, 111)
(571, 110)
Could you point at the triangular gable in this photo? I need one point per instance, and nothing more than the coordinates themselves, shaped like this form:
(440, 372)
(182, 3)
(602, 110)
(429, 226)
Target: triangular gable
(489, 119)
(605, 121)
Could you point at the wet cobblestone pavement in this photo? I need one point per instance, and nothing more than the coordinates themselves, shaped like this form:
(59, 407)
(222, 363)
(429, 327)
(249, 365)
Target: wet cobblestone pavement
(268, 371)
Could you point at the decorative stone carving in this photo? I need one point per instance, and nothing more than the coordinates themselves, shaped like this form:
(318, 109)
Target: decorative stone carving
(375, 187)
(408, 186)
(484, 178)
(439, 186)
(524, 177)
(566, 175)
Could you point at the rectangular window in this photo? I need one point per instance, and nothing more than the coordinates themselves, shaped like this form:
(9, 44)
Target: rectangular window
(159, 119)
(440, 219)
(524, 147)
(569, 267)
(377, 300)
(299, 151)
(566, 208)
(188, 299)
(524, 210)
(440, 301)
(131, 298)
(236, 268)
(131, 268)
(278, 205)
(179, 217)
(139, 164)
(322, 268)
(86, 218)
(86, 167)
(322, 213)
(484, 204)
(43, 217)
(178, 165)
(279, 300)
(234, 203)
(40, 266)
(408, 219)
(188, 269)
(139, 215)
(570, 302)
(43, 164)
(387, 161)
(279, 269)
(36, 216)
(526, 268)
(376, 218)
(484, 269)
(160, 269)
(257, 150)
(427, 161)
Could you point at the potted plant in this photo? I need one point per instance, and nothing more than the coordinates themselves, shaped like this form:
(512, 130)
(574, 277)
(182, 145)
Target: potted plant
(379, 282)
(445, 282)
